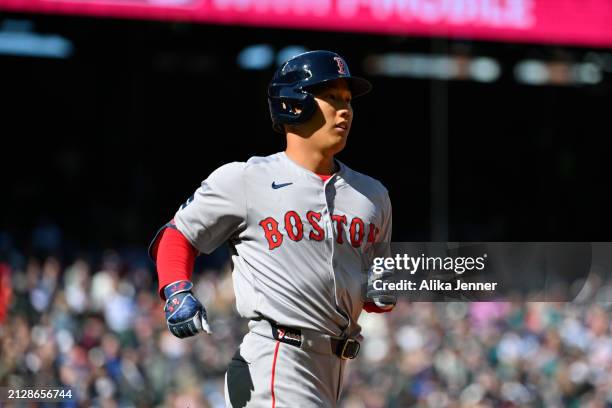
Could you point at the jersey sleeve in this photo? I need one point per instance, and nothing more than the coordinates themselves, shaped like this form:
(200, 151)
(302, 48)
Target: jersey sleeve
(383, 239)
(381, 248)
(217, 209)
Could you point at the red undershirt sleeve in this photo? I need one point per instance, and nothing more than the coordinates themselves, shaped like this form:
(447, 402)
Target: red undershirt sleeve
(371, 307)
(174, 257)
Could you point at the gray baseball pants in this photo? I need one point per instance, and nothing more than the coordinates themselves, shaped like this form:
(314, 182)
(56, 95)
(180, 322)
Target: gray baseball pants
(268, 373)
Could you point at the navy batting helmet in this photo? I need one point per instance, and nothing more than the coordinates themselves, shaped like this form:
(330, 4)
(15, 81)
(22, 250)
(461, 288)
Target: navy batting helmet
(291, 82)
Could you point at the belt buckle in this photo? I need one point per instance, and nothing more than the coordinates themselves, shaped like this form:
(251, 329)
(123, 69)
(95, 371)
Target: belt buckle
(350, 349)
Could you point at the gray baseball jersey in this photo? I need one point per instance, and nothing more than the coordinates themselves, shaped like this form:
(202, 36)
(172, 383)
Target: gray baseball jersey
(300, 246)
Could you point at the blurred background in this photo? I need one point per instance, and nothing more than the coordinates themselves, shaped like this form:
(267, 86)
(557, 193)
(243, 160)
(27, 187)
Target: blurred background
(487, 122)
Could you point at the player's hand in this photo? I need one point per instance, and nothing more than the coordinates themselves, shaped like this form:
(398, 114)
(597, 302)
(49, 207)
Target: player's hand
(379, 300)
(185, 315)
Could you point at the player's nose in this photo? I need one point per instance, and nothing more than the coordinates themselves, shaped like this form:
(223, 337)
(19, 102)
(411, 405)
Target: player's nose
(345, 113)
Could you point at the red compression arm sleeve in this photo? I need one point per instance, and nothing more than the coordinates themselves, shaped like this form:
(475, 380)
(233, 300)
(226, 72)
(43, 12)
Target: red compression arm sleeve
(175, 258)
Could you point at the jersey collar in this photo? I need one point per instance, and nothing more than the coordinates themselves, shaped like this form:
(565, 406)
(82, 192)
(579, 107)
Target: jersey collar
(335, 177)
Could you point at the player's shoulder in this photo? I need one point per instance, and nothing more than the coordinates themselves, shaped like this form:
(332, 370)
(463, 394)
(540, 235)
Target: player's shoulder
(263, 163)
(256, 161)
(363, 182)
(239, 168)
(228, 170)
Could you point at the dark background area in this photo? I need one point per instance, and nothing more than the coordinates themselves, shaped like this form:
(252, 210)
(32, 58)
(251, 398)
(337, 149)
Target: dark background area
(108, 143)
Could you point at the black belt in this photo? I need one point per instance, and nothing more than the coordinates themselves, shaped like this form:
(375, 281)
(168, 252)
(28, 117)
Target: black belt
(346, 349)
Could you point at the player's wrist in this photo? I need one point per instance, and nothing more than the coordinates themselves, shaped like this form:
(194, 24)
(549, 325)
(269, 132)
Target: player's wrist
(174, 288)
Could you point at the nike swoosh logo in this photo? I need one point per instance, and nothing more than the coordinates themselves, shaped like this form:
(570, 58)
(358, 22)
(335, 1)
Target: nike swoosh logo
(277, 186)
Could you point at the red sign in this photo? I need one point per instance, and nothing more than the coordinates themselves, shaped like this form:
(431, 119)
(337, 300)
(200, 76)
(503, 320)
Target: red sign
(572, 22)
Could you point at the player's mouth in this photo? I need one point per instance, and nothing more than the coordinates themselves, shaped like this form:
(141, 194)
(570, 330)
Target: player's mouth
(342, 126)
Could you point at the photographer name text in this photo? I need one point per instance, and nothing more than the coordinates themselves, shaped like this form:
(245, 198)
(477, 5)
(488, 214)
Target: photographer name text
(433, 285)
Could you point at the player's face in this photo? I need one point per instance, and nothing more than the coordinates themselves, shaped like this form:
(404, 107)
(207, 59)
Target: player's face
(335, 116)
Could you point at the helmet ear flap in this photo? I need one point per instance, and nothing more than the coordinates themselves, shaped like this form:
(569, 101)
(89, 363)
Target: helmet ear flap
(294, 108)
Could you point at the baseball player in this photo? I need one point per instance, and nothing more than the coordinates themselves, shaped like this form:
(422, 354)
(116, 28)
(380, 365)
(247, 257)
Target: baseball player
(302, 228)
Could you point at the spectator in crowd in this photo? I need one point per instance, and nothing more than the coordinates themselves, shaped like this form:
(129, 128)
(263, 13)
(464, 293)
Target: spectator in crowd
(5, 290)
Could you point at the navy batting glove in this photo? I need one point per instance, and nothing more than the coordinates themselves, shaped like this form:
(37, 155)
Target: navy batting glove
(185, 315)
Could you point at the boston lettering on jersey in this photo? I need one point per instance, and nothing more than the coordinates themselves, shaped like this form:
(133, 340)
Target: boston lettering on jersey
(294, 229)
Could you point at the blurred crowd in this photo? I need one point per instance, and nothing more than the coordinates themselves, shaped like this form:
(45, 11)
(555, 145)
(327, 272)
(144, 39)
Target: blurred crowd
(98, 328)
